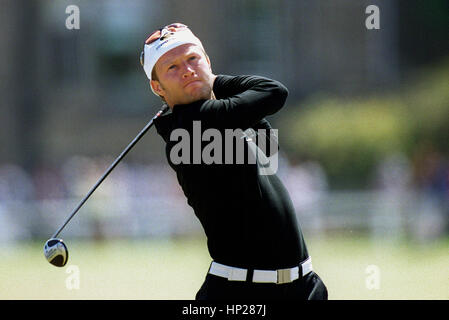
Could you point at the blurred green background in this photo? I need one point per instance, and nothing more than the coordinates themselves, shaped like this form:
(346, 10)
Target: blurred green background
(363, 137)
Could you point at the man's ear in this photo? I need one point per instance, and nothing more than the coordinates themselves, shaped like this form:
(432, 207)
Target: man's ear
(156, 85)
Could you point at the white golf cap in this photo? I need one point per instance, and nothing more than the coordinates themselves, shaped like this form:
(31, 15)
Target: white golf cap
(166, 39)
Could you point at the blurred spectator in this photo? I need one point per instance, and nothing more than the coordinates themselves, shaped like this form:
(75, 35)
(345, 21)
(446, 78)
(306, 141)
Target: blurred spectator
(16, 188)
(392, 181)
(393, 173)
(307, 184)
(431, 179)
(431, 171)
(48, 183)
(15, 184)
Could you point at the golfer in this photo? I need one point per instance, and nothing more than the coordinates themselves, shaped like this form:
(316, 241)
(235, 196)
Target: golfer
(257, 248)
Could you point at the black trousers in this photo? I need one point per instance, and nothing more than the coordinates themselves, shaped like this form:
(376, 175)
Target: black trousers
(309, 287)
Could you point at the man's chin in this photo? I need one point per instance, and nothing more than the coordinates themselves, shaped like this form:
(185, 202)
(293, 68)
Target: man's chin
(199, 94)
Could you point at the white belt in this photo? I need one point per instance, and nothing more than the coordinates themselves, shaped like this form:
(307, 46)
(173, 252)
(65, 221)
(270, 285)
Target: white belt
(267, 276)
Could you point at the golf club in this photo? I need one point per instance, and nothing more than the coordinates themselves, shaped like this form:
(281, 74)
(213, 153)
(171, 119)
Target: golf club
(55, 250)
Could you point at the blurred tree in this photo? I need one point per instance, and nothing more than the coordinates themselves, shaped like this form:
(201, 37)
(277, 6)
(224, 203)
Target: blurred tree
(350, 136)
(427, 99)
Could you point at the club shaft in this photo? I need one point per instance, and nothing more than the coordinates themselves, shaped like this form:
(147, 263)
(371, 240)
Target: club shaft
(111, 167)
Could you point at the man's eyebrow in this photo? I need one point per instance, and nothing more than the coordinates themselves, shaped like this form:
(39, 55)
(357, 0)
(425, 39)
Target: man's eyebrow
(163, 63)
(170, 61)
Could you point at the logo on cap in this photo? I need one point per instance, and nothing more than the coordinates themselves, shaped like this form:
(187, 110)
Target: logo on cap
(165, 34)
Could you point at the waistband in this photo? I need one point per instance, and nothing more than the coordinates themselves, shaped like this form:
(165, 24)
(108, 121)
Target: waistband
(262, 276)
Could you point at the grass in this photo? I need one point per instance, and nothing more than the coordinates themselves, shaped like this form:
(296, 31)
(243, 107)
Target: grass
(164, 269)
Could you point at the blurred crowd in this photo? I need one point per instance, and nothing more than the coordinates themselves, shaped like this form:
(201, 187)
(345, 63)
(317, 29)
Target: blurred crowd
(406, 193)
(423, 183)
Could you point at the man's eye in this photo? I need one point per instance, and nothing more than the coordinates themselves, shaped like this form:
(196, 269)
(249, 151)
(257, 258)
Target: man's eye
(192, 58)
(171, 67)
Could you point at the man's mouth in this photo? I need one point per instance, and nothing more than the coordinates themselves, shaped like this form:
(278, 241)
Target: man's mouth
(191, 82)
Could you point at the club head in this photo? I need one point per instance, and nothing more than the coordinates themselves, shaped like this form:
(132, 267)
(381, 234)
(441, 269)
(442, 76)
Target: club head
(56, 252)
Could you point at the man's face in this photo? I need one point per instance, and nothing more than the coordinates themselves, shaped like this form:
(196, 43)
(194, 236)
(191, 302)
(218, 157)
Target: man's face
(184, 75)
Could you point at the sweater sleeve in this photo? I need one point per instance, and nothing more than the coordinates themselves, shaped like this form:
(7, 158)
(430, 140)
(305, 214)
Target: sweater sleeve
(265, 132)
(243, 101)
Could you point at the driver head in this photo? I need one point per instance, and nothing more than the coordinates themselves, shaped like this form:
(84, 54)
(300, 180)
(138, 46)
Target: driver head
(56, 252)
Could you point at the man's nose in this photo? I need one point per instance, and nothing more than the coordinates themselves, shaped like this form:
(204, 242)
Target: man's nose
(188, 71)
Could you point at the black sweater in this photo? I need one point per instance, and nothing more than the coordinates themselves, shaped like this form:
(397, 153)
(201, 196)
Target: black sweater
(248, 218)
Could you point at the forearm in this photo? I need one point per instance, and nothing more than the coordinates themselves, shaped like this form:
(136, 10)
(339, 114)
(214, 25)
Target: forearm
(242, 101)
(226, 86)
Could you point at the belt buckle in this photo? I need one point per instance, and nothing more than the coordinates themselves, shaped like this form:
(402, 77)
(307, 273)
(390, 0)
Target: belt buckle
(284, 276)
